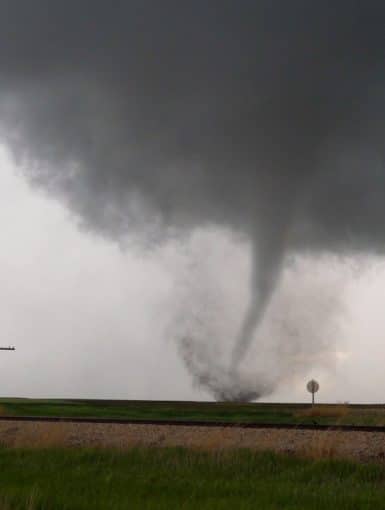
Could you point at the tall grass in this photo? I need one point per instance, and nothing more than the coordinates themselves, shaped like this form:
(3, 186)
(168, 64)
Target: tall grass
(169, 479)
(323, 446)
(46, 435)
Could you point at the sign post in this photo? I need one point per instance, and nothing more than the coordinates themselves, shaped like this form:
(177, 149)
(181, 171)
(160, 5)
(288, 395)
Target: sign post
(312, 387)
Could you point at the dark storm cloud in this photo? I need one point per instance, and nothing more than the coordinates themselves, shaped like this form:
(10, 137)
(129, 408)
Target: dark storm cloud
(263, 116)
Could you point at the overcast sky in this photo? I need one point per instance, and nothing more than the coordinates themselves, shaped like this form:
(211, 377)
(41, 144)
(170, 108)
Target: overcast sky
(92, 319)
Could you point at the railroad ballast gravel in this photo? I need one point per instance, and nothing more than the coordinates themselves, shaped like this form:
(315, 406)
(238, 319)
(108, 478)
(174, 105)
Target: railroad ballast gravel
(357, 445)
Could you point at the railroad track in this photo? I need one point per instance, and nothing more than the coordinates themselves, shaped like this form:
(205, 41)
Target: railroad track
(186, 423)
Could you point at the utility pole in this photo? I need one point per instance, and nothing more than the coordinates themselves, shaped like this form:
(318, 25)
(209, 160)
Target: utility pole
(7, 349)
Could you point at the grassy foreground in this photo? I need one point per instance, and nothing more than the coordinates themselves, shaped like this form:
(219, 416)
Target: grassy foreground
(181, 479)
(199, 411)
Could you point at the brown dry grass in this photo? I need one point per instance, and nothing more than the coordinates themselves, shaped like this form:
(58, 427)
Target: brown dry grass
(47, 436)
(325, 411)
(324, 446)
(213, 441)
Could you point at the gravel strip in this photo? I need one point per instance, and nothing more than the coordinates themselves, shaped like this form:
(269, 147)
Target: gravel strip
(357, 445)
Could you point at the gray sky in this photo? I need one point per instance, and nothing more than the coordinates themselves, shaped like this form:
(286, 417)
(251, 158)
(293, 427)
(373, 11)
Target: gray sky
(90, 319)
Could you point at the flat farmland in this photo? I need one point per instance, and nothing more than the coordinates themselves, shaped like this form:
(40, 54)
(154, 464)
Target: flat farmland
(82, 465)
(322, 414)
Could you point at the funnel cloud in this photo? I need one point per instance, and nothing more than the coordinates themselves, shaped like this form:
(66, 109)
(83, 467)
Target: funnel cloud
(154, 119)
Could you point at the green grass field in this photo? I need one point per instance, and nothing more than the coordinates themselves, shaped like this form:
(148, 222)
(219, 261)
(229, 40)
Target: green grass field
(181, 479)
(199, 411)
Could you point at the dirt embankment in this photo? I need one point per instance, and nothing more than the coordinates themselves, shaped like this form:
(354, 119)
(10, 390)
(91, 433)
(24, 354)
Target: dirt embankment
(362, 446)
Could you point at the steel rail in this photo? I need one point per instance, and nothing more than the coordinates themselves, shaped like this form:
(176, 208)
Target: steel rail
(191, 423)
